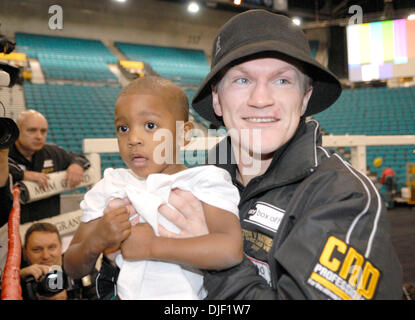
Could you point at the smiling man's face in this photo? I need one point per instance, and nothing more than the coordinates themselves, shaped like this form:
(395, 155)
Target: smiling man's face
(265, 95)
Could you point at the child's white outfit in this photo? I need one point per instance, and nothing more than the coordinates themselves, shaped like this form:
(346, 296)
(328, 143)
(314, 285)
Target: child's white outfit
(157, 279)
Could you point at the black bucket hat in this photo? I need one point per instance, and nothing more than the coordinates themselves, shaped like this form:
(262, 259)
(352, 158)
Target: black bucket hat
(256, 32)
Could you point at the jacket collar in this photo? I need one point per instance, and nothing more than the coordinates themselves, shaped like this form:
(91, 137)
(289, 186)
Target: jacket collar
(18, 156)
(292, 162)
(297, 158)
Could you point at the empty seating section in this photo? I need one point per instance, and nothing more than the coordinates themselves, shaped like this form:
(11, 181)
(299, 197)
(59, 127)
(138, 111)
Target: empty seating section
(65, 58)
(81, 69)
(375, 111)
(76, 112)
(184, 66)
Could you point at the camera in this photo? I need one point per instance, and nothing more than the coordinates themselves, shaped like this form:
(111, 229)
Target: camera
(51, 284)
(9, 132)
(55, 281)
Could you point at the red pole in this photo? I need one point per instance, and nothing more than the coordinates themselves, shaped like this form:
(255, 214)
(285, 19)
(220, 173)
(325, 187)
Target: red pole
(10, 287)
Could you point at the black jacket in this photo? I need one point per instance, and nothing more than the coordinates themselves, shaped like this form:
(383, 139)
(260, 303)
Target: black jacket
(51, 158)
(6, 202)
(315, 227)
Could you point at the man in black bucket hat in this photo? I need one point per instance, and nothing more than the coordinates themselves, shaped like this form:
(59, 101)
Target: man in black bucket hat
(313, 226)
(261, 32)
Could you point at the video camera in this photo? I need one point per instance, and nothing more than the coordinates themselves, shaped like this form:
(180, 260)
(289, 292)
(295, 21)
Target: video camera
(8, 75)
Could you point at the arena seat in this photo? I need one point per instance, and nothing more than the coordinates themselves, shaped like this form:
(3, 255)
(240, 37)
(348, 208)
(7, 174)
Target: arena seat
(64, 58)
(184, 66)
(376, 111)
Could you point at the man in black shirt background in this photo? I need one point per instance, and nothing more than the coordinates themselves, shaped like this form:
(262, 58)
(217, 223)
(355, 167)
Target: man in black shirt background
(32, 159)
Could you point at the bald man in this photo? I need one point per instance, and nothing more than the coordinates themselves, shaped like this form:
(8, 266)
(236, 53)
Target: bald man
(32, 159)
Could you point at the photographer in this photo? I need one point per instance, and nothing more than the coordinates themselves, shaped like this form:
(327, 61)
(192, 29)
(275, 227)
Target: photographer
(42, 249)
(36, 158)
(42, 277)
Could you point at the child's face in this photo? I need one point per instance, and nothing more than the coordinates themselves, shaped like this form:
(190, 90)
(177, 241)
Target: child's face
(137, 119)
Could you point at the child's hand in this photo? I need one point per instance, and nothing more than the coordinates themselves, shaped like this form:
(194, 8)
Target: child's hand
(114, 226)
(138, 245)
(118, 202)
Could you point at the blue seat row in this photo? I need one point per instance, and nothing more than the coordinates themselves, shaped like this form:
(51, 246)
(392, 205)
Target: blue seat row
(184, 66)
(64, 58)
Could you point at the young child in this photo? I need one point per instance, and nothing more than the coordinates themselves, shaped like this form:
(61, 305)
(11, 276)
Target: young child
(154, 267)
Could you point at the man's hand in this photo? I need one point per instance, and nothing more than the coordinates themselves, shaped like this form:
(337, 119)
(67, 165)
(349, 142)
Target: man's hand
(188, 216)
(38, 271)
(74, 174)
(39, 177)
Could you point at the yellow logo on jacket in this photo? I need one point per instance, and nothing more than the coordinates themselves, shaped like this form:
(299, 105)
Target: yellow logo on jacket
(343, 273)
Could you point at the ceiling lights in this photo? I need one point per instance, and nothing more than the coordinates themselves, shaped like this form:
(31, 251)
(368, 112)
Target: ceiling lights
(193, 7)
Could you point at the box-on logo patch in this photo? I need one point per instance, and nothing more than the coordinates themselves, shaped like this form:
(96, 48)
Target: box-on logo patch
(343, 273)
(266, 216)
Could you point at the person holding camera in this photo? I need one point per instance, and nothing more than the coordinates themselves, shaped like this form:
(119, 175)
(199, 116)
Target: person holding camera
(42, 250)
(42, 274)
(35, 159)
